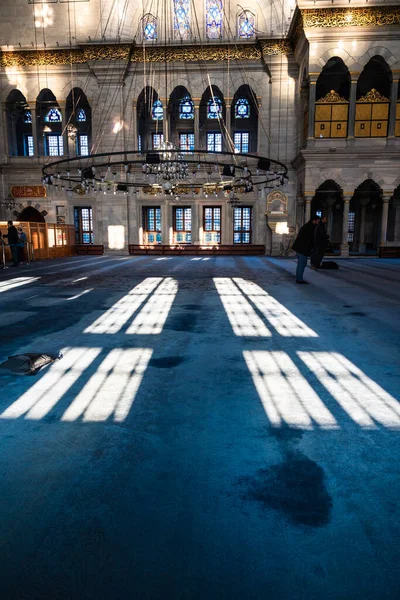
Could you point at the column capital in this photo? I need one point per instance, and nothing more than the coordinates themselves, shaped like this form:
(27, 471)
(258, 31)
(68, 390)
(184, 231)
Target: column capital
(386, 196)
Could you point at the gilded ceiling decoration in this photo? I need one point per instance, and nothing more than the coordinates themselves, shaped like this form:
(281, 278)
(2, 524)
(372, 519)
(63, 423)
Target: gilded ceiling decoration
(332, 97)
(373, 96)
(373, 16)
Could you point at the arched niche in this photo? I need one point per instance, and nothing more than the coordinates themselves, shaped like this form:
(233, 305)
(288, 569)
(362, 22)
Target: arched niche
(79, 122)
(373, 98)
(212, 119)
(50, 124)
(328, 202)
(332, 100)
(366, 210)
(31, 215)
(181, 118)
(150, 119)
(244, 120)
(19, 125)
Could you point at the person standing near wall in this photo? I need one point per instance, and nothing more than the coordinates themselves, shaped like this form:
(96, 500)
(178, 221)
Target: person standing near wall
(22, 243)
(13, 240)
(321, 239)
(303, 246)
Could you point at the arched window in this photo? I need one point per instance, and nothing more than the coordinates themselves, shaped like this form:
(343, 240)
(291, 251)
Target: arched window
(50, 130)
(244, 120)
(186, 108)
(212, 114)
(81, 116)
(53, 116)
(214, 15)
(373, 94)
(242, 108)
(332, 100)
(182, 19)
(157, 112)
(246, 24)
(19, 125)
(149, 120)
(181, 119)
(214, 108)
(79, 122)
(149, 27)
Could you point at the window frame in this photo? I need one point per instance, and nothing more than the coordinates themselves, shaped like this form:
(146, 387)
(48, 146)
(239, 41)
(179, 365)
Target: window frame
(185, 232)
(60, 143)
(242, 231)
(190, 147)
(147, 231)
(241, 150)
(78, 220)
(214, 134)
(214, 231)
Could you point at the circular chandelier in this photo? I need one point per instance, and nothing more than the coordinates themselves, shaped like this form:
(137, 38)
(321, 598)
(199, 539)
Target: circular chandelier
(168, 171)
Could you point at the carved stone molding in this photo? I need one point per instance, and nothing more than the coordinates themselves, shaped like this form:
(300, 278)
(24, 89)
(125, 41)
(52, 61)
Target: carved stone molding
(155, 54)
(332, 97)
(373, 96)
(373, 16)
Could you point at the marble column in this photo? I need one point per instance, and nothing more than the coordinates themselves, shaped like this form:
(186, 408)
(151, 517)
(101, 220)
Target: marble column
(344, 248)
(311, 110)
(135, 138)
(352, 109)
(385, 212)
(197, 144)
(196, 223)
(361, 246)
(228, 127)
(392, 111)
(166, 222)
(299, 213)
(307, 214)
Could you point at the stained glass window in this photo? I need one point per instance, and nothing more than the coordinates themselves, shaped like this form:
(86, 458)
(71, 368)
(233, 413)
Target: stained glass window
(81, 116)
(186, 108)
(213, 18)
(149, 27)
(27, 116)
(157, 112)
(212, 224)
(182, 19)
(158, 140)
(242, 109)
(214, 142)
(152, 225)
(183, 225)
(186, 141)
(83, 148)
(53, 116)
(242, 225)
(29, 146)
(241, 141)
(214, 108)
(246, 24)
(54, 145)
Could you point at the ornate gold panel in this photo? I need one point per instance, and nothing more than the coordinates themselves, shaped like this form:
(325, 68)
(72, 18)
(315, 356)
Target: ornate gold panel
(379, 128)
(398, 110)
(372, 16)
(380, 111)
(397, 130)
(362, 129)
(154, 54)
(322, 129)
(340, 112)
(363, 112)
(322, 112)
(339, 129)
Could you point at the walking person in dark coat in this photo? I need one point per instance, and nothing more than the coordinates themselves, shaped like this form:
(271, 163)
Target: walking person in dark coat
(303, 246)
(13, 240)
(320, 244)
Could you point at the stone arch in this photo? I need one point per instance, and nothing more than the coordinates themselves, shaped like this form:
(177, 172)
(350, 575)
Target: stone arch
(378, 51)
(27, 211)
(368, 176)
(330, 175)
(348, 60)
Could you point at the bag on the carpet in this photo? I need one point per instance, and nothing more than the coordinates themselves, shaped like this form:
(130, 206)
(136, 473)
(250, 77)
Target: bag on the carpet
(329, 264)
(27, 364)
